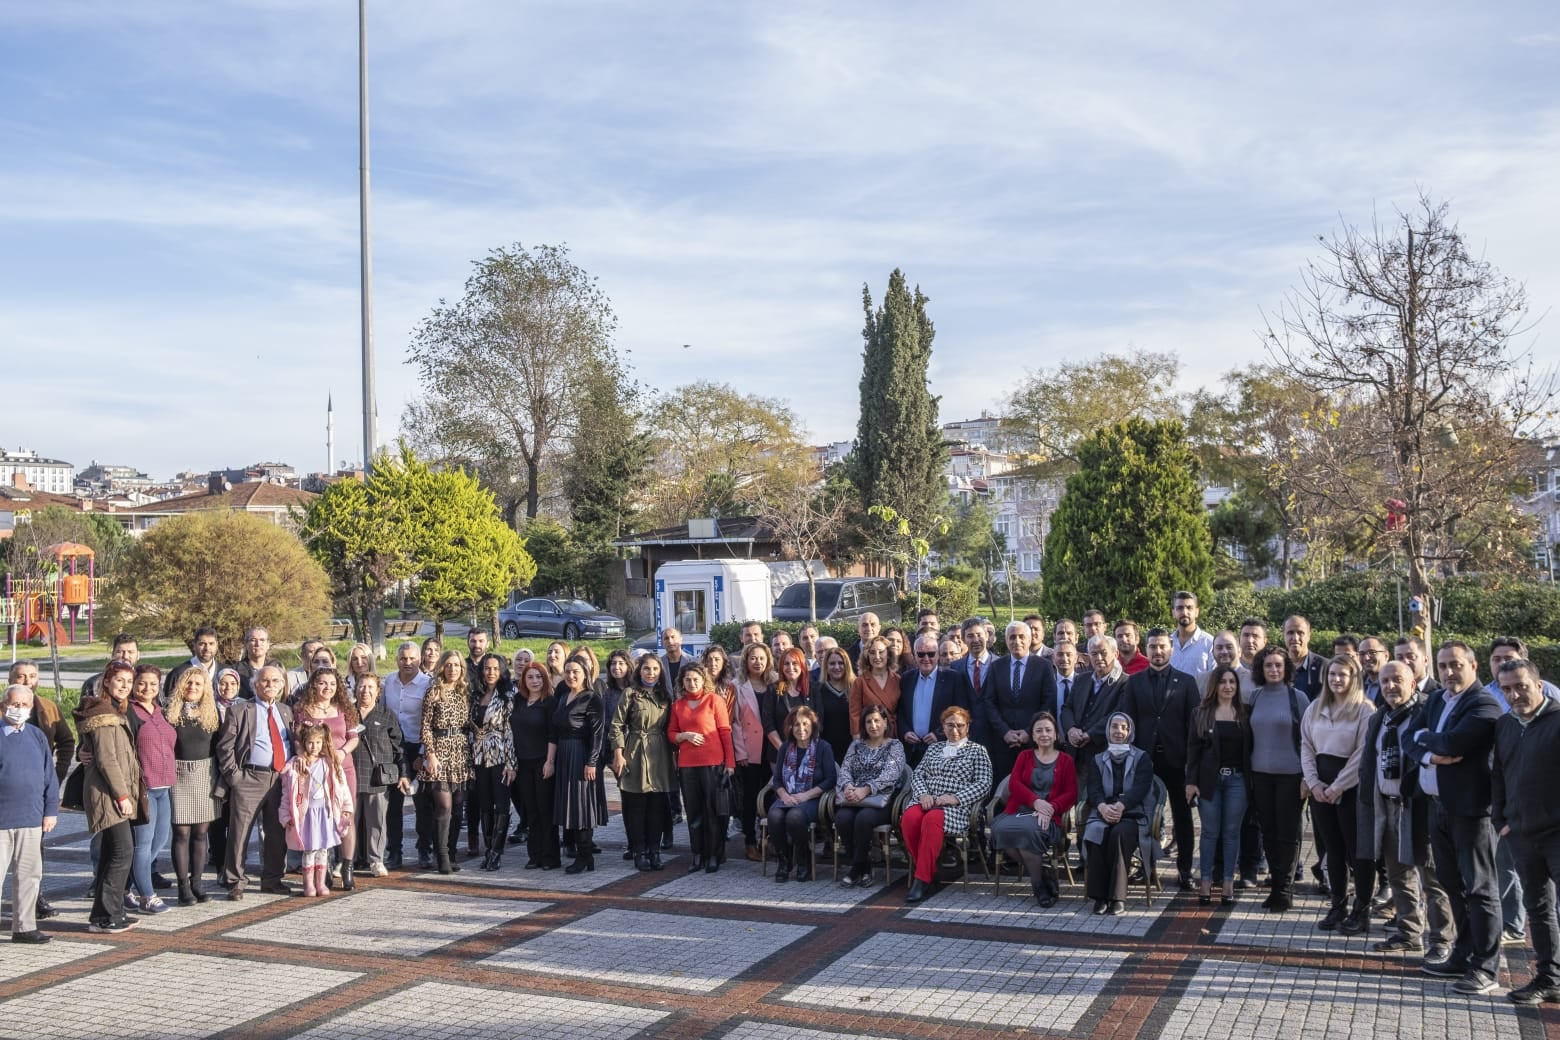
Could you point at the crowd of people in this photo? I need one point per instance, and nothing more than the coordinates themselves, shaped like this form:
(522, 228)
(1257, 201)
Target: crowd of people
(1427, 793)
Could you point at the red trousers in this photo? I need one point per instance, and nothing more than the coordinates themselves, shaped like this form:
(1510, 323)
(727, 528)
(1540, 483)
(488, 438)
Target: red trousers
(923, 838)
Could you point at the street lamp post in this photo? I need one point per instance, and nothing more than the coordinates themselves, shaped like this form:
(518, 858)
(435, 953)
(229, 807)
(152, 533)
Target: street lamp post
(376, 618)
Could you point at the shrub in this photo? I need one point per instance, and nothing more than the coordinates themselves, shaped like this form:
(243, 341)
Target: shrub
(953, 600)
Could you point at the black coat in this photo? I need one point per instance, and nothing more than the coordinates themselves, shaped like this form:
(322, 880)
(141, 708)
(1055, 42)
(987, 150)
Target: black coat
(378, 745)
(1469, 734)
(1527, 773)
(1310, 674)
(1001, 708)
(1162, 721)
(1089, 709)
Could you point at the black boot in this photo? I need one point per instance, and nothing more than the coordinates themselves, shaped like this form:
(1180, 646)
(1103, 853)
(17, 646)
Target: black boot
(186, 897)
(441, 846)
(642, 862)
(348, 883)
(584, 860)
(197, 886)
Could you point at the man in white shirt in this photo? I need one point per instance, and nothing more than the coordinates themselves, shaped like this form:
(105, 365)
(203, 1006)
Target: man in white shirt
(404, 694)
(1191, 649)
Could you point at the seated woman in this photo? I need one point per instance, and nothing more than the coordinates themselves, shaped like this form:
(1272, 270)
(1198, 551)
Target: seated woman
(1042, 787)
(867, 780)
(1119, 788)
(953, 778)
(804, 769)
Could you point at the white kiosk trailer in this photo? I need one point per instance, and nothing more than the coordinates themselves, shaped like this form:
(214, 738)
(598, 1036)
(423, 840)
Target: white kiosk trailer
(695, 595)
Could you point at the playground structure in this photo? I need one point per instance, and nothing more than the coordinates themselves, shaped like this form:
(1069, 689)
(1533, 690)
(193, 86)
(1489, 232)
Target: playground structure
(32, 606)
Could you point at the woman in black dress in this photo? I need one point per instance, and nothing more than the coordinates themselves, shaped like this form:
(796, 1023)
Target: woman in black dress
(578, 740)
(531, 722)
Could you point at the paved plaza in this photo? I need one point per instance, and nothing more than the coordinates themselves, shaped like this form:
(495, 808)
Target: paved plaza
(616, 954)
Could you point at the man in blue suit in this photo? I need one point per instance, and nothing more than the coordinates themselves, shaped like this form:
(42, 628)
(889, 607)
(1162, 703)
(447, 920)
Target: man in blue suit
(1451, 737)
(925, 692)
(1020, 685)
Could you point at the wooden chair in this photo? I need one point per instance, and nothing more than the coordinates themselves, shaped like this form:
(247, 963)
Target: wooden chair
(824, 820)
(962, 843)
(883, 833)
(1058, 857)
(1142, 856)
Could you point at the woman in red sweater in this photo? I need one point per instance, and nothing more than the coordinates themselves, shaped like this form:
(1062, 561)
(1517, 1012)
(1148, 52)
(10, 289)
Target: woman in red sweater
(701, 731)
(1042, 787)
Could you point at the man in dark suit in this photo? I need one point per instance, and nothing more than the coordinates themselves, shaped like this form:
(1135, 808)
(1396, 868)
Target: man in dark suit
(1451, 737)
(1161, 700)
(1090, 703)
(925, 692)
(1020, 685)
(1411, 651)
(253, 747)
(978, 660)
(1310, 669)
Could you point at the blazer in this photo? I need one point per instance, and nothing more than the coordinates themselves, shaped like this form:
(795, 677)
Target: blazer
(1470, 734)
(1001, 708)
(1089, 708)
(236, 738)
(1164, 723)
(1202, 754)
(952, 690)
(1310, 674)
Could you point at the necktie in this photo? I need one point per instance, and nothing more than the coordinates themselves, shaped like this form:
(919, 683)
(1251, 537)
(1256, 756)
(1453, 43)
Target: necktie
(977, 673)
(1018, 674)
(1066, 692)
(278, 756)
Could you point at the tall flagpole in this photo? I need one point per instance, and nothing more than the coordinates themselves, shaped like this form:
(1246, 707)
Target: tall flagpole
(370, 411)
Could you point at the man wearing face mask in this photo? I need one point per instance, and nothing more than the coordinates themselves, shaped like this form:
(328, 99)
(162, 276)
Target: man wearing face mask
(1524, 813)
(1394, 821)
(29, 808)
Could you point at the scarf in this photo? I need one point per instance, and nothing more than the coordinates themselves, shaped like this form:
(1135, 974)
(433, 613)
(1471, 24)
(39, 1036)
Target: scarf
(951, 748)
(799, 767)
(1119, 751)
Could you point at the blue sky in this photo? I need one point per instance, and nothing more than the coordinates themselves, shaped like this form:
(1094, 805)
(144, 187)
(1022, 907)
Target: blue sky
(178, 189)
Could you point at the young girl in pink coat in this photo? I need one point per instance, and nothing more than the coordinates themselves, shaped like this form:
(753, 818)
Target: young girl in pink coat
(316, 804)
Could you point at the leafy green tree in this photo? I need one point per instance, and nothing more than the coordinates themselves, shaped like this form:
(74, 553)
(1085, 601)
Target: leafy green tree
(561, 561)
(222, 568)
(1129, 532)
(39, 529)
(603, 476)
(973, 544)
(898, 459)
(365, 543)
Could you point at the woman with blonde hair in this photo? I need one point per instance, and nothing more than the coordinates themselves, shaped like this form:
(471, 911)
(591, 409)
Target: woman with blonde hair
(192, 712)
(446, 762)
(755, 677)
(877, 683)
(1332, 745)
(360, 661)
(831, 700)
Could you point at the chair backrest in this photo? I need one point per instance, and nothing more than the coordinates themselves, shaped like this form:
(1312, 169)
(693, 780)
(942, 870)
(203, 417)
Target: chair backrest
(901, 796)
(999, 799)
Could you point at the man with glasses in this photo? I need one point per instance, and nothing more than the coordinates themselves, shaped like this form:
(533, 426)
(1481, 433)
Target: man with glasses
(927, 691)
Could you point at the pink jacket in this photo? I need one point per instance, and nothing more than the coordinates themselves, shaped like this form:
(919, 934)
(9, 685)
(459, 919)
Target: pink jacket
(747, 729)
(295, 801)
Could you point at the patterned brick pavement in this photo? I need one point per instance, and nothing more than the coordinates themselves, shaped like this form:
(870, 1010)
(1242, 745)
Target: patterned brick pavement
(671, 955)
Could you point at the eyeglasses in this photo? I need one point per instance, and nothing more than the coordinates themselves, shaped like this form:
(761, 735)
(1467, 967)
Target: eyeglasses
(926, 654)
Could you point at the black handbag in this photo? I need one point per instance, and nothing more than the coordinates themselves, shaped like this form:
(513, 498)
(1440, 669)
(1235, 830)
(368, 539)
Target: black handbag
(384, 775)
(73, 791)
(726, 797)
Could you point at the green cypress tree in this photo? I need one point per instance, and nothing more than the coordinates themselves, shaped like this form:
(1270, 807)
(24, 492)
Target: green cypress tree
(899, 453)
(1130, 530)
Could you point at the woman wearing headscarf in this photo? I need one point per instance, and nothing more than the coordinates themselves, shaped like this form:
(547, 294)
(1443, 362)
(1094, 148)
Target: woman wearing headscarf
(1119, 788)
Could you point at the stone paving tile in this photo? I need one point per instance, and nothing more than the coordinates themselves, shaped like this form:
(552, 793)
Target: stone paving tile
(469, 1013)
(610, 868)
(1247, 924)
(166, 996)
(386, 921)
(179, 918)
(680, 952)
(1258, 1000)
(750, 1030)
(22, 960)
(1016, 908)
(739, 883)
(1002, 985)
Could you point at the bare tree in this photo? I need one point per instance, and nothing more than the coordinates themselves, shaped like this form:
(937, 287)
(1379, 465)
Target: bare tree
(807, 525)
(1428, 405)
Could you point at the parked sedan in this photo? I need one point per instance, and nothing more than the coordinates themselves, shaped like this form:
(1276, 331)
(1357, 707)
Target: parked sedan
(569, 619)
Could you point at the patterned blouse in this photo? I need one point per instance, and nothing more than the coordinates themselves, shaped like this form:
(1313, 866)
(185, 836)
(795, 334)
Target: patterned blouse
(493, 742)
(874, 767)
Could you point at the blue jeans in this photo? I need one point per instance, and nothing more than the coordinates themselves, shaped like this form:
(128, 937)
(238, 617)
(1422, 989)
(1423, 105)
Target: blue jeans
(150, 839)
(1513, 914)
(1222, 810)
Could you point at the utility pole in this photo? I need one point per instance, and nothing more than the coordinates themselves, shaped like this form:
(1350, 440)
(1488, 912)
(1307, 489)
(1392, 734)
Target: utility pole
(376, 619)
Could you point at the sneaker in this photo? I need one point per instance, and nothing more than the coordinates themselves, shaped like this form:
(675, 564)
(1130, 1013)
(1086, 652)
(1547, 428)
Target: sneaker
(1540, 990)
(1510, 937)
(132, 902)
(1475, 982)
(1399, 944)
(112, 928)
(1443, 969)
(378, 870)
(154, 905)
